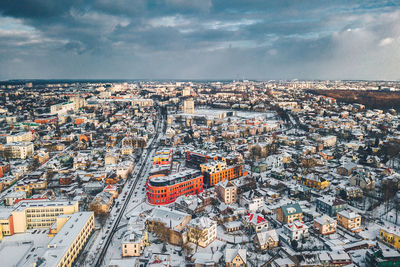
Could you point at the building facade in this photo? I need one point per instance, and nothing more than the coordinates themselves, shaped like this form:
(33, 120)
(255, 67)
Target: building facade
(349, 220)
(163, 190)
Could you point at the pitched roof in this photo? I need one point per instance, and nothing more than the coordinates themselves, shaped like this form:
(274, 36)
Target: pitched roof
(291, 209)
(231, 253)
(264, 235)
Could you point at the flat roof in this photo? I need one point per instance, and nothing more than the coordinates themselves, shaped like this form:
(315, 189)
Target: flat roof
(60, 244)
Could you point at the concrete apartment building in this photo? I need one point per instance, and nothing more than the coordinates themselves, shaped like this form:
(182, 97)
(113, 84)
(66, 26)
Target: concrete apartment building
(62, 108)
(18, 150)
(188, 107)
(65, 247)
(20, 137)
(226, 191)
(202, 231)
(34, 214)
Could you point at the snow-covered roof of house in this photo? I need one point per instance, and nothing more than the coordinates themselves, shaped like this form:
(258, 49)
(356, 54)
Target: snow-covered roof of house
(230, 254)
(202, 223)
(264, 235)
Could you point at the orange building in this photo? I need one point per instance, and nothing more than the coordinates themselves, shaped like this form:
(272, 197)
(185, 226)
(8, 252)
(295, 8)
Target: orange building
(163, 190)
(111, 179)
(46, 119)
(79, 121)
(195, 158)
(4, 168)
(217, 171)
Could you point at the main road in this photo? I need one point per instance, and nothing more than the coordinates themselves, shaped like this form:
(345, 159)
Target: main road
(101, 252)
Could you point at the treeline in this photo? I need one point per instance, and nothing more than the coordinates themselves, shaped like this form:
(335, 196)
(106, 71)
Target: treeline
(371, 99)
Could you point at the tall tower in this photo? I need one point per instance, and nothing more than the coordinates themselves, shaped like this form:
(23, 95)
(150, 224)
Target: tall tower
(188, 106)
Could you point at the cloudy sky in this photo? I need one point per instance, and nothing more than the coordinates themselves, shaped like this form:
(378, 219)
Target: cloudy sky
(200, 39)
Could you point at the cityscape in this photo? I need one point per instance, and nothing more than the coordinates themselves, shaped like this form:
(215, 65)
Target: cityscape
(181, 173)
(199, 133)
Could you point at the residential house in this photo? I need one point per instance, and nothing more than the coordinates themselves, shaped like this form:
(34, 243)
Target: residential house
(325, 225)
(266, 239)
(252, 200)
(364, 179)
(296, 230)
(255, 221)
(349, 220)
(289, 213)
(235, 257)
(330, 205)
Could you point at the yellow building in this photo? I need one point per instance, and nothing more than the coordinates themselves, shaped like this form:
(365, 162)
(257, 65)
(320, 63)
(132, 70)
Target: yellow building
(133, 244)
(313, 181)
(20, 137)
(31, 214)
(202, 231)
(27, 185)
(65, 247)
(18, 150)
(391, 236)
(289, 213)
(213, 166)
(349, 220)
(235, 257)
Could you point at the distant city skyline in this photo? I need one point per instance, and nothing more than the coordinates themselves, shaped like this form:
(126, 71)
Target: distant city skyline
(200, 39)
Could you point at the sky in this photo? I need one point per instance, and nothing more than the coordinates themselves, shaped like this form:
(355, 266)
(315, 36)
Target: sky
(200, 39)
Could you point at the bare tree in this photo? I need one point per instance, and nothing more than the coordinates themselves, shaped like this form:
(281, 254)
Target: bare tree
(196, 235)
(161, 232)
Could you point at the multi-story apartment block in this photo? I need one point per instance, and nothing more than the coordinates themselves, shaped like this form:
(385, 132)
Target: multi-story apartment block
(20, 137)
(195, 158)
(62, 108)
(226, 191)
(34, 214)
(313, 181)
(330, 205)
(18, 150)
(65, 247)
(216, 171)
(391, 235)
(202, 231)
(166, 189)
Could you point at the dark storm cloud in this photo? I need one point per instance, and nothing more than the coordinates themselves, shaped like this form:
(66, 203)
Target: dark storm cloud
(36, 8)
(199, 38)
